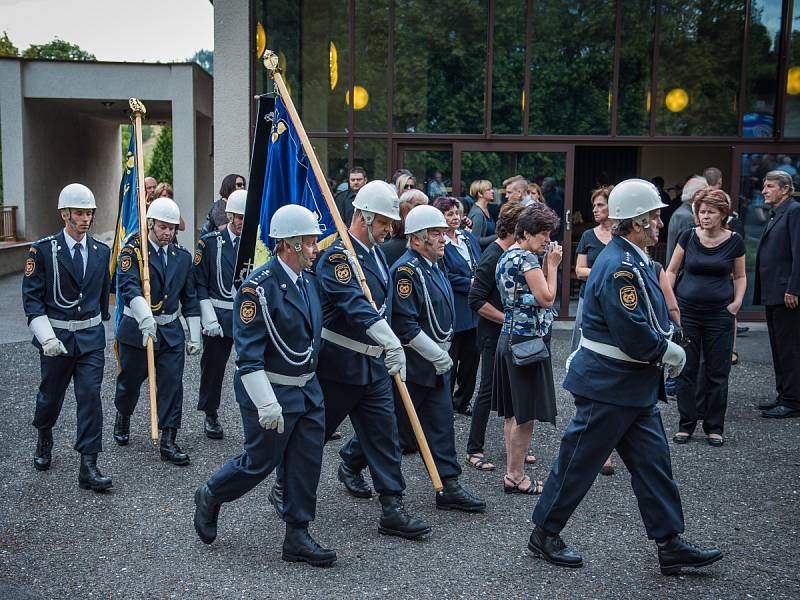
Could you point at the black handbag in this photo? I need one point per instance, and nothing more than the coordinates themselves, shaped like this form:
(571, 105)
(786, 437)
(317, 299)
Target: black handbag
(532, 350)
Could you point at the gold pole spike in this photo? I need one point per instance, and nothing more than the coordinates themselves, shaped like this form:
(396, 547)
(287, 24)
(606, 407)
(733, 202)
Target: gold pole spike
(137, 106)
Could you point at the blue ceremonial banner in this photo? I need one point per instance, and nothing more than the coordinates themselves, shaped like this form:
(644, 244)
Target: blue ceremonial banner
(289, 179)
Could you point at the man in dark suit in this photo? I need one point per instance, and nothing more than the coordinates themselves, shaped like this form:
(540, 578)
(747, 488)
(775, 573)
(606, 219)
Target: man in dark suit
(777, 286)
(344, 199)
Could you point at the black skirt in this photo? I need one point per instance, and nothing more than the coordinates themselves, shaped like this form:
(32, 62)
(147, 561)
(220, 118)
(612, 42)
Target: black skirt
(525, 393)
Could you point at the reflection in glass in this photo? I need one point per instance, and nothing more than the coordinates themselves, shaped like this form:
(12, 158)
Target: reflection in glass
(440, 66)
(700, 53)
(425, 164)
(572, 67)
(508, 68)
(635, 68)
(371, 56)
(792, 110)
(371, 155)
(762, 68)
(332, 156)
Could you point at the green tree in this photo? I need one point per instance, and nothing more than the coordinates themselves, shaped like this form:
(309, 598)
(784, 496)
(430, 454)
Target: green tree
(204, 58)
(160, 165)
(58, 50)
(7, 48)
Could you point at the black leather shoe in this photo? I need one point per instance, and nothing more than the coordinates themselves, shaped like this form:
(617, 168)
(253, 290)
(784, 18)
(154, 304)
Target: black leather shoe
(768, 405)
(276, 498)
(44, 449)
(206, 513)
(781, 411)
(122, 429)
(742, 329)
(90, 477)
(455, 497)
(212, 428)
(553, 549)
(299, 546)
(354, 482)
(675, 553)
(170, 451)
(396, 521)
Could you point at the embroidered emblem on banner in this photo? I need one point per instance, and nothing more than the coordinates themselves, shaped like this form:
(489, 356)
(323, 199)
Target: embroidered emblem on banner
(404, 288)
(198, 256)
(30, 267)
(628, 297)
(342, 273)
(125, 263)
(247, 311)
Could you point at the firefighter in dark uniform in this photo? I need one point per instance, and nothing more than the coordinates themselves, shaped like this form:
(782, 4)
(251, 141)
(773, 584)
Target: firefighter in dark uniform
(65, 296)
(360, 353)
(615, 377)
(214, 265)
(277, 323)
(172, 293)
(423, 314)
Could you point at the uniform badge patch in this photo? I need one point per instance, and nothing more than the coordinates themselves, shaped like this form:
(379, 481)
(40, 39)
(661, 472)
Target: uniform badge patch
(30, 267)
(628, 297)
(125, 263)
(247, 311)
(249, 290)
(626, 274)
(342, 273)
(407, 269)
(198, 256)
(404, 288)
(336, 256)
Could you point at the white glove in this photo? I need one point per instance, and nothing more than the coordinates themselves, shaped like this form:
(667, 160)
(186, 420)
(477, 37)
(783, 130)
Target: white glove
(195, 344)
(43, 331)
(394, 357)
(674, 359)
(208, 318)
(144, 317)
(430, 351)
(258, 387)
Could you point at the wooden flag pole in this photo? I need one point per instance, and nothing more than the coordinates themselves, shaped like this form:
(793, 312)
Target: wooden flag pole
(270, 62)
(138, 110)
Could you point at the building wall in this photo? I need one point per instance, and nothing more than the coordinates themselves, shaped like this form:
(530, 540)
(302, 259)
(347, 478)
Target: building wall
(675, 163)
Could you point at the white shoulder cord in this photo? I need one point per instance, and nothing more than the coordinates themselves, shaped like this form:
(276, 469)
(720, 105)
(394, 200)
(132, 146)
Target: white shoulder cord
(438, 334)
(650, 312)
(222, 292)
(352, 261)
(282, 347)
(58, 295)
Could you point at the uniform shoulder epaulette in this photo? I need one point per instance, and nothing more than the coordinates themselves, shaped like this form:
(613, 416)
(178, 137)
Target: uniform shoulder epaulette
(100, 243)
(308, 271)
(44, 239)
(183, 248)
(134, 240)
(627, 259)
(211, 234)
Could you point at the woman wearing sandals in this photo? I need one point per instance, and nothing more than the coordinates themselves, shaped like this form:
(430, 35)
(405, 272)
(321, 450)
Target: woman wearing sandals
(711, 262)
(523, 394)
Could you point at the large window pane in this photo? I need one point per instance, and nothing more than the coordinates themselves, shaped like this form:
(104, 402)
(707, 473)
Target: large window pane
(572, 67)
(792, 110)
(371, 155)
(425, 164)
(762, 68)
(635, 67)
(307, 35)
(371, 54)
(332, 156)
(700, 54)
(508, 68)
(440, 66)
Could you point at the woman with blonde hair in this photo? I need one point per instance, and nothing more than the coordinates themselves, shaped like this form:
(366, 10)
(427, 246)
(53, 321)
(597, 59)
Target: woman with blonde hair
(482, 222)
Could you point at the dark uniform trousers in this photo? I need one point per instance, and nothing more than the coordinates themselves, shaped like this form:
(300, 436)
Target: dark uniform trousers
(637, 434)
(213, 363)
(298, 450)
(133, 371)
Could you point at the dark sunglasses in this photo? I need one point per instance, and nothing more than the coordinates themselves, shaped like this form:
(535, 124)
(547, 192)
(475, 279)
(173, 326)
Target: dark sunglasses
(408, 186)
(240, 184)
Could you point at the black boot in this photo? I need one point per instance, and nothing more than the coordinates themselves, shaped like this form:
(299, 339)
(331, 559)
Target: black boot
(170, 451)
(44, 448)
(354, 482)
(212, 427)
(396, 521)
(90, 477)
(122, 429)
(276, 498)
(455, 497)
(299, 546)
(675, 553)
(553, 549)
(206, 513)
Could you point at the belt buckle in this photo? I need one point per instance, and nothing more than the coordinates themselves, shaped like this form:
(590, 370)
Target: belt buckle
(73, 326)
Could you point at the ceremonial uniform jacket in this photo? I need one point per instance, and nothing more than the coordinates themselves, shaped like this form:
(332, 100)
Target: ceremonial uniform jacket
(615, 312)
(214, 264)
(274, 328)
(346, 311)
(460, 274)
(411, 276)
(170, 292)
(50, 287)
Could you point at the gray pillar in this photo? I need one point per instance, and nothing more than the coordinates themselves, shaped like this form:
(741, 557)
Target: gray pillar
(12, 118)
(183, 146)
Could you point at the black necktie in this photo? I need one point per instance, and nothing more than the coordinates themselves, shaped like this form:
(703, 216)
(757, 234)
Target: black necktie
(302, 287)
(374, 253)
(77, 262)
(235, 244)
(771, 213)
(163, 256)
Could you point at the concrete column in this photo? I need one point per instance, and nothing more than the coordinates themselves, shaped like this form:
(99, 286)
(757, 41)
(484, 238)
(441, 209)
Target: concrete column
(183, 146)
(12, 119)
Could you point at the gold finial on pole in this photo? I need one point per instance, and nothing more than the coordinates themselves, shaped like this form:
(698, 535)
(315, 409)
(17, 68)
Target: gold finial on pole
(137, 106)
(270, 61)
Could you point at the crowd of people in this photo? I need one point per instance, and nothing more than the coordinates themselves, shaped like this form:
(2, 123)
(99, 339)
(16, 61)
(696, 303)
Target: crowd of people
(456, 290)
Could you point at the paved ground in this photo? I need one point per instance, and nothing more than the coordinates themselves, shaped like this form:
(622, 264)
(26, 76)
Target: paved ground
(57, 541)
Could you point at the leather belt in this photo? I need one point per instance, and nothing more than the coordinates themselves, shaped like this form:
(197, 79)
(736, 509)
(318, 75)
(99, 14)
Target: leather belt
(159, 319)
(75, 325)
(346, 342)
(222, 304)
(609, 351)
(295, 380)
